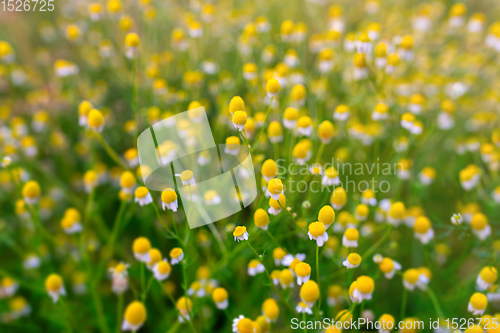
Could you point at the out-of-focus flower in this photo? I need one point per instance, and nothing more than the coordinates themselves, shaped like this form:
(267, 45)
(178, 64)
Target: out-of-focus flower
(134, 317)
(54, 286)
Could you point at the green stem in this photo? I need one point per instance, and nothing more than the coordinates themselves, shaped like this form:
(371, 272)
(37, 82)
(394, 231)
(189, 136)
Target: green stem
(119, 310)
(146, 290)
(143, 278)
(113, 154)
(174, 235)
(317, 276)
(256, 253)
(375, 246)
(435, 303)
(403, 304)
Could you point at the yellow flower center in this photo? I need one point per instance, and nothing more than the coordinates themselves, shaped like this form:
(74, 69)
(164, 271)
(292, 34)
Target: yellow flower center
(135, 313)
(317, 229)
(141, 245)
(239, 231)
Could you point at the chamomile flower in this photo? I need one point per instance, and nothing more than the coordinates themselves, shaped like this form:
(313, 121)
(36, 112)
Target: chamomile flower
(396, 213)
(326, 131)
(127, 182)
(275, 132)
(334, 295)
(486, 278)
(387, 323)
(389, 267)
(132, 157)
(278, 255)
(290, 116)
(423, 229)
(240, 233)
(298, 94)
(236, 104)
(286, 278)
(134, 317)
(368, 198)
(204, 158)
(255, 267)
(132, 42)
(405, 50)
(31, 261)
(480, 226)
(19, 307)
(317, 232)
(232, 145)
(427, 175)
(6, 52)
(211, 197)
(380, 60)
(338, 198)
(477, 304)
(350, 238)
(54, 286)
(275, 188)
(457, 15)
(220, 298)
(270, 309)
(142, 196)
(31, 192)
(241, 324)
(360, 70)
(410, 278)
(326, 216)
(496, 194)
(341, 112)
(140, 248)
(95, 120)
(6, 161)
(269, 169)
(469, 177)
(361, 212)
(304, 126)
(303, 272)
(8, 287)
(275, 206)
(176, 255)
(119, 278)
(261, 219)
(162, 270)
(353, 260)
(325, 63)
(380, 112)
(309, 293)
(239, 119)
(169, 199)
(155, 256)
(301, 153)
(272, 87)
(303, 308)
(196, 289)
(330, 177)
(71, 222)
(362, 289)
(364, 43)
(424, 277)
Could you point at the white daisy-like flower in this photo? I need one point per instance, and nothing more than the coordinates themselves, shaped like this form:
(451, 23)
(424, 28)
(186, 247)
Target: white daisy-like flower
(303, 308)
